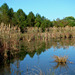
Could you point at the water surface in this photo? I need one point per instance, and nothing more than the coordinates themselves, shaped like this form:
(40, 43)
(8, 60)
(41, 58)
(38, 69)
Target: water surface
(36, 58)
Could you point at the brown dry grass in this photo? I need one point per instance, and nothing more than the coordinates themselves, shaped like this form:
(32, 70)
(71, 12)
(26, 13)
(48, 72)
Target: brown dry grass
(9, 38)
(60, 59)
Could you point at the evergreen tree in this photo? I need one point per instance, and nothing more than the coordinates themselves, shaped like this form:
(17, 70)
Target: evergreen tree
(11, 16)
(4, 13)
(30, 19)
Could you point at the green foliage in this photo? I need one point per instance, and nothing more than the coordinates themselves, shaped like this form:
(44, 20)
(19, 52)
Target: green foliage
(70, 20)
(10, 15)
(45, 24)
(38, 18)
(19, 18)
(72, 23)
(61, 25)
(23, 26)
(4, 13)
(0, 16)
(67, 21)
(30, 19)
(37, 24)
(14, 19)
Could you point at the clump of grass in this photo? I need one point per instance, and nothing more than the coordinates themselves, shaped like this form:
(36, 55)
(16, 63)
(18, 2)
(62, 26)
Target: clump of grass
(61, 60)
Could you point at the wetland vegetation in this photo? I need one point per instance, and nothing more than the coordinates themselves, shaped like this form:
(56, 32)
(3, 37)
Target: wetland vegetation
(28, 40)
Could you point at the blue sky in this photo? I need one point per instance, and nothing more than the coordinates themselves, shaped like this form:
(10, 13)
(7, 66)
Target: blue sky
(51, 9)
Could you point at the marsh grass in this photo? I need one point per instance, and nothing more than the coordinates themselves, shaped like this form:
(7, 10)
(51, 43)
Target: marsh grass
(61, 60)
(9, 38)
(50, 33)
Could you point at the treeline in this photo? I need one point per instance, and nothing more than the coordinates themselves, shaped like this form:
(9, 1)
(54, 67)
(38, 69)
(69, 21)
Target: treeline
(20, 19)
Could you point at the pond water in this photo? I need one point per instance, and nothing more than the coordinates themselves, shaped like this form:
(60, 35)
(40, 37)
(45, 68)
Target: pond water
(36, 58)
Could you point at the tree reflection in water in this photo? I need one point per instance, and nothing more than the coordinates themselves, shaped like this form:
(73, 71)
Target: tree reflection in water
(61, 65)
(30, 48)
